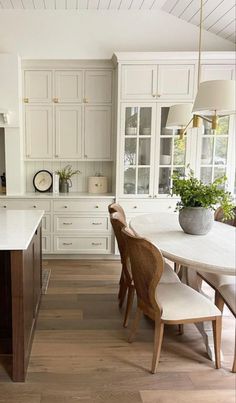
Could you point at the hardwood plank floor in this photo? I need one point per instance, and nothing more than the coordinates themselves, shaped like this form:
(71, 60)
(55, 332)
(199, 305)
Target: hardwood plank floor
(80, 351)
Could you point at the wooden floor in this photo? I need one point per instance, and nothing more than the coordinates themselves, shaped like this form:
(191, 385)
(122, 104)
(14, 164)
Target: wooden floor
(80, 352)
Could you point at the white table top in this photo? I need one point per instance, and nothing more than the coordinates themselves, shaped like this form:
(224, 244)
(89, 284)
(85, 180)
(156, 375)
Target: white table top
(213, 252)
(17, 228)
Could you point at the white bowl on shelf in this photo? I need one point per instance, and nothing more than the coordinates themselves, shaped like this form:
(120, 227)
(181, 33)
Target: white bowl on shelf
(165, 159)
(146, 131)
(130, 130)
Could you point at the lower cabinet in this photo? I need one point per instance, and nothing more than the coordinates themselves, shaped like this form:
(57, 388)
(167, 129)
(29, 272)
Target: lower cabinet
(70, 225)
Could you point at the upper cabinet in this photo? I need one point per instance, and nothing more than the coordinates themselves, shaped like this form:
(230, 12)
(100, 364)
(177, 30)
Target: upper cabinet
(68, 86)
(37, 86)
(157, 82)
(98, 87)
(68, 113)
(217, 72)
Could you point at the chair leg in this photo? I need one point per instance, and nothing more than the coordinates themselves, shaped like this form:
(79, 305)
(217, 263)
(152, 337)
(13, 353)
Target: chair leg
(135, 325)
(234, 364)
(219, 302)
(217, 327)
(176, 267)
(123, 292)
(129, 305)
(181, 329)
(158, 337)
(121, 282)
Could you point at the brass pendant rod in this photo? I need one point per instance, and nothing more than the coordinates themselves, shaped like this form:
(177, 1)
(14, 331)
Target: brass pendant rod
(200, 45)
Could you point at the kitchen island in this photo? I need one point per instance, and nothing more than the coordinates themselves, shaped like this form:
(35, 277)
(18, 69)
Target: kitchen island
(20, 285)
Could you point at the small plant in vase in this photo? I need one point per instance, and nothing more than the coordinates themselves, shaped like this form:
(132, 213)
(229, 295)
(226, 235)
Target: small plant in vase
(198, 201)
(65, 175)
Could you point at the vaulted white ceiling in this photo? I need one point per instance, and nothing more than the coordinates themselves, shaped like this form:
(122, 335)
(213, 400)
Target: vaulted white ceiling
(218, 15)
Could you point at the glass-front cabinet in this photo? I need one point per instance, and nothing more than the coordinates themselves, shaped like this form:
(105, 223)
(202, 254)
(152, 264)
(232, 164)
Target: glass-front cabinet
(138, 135)
(171, 155)
(215, 151)
(151, 153)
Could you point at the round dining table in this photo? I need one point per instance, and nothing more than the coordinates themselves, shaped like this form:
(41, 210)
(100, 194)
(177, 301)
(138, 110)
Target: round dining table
(213, 252)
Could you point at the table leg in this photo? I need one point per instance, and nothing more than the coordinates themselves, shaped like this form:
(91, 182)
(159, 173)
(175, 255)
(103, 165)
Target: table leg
(190, 277)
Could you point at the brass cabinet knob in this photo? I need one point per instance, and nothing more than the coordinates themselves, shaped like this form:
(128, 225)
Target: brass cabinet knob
(85, 156)
(135, 207)
(56, 155)
(85, 100)
(65, 206)
(96, 206)
(26, 100)
(34, 206)
(158, 95)
(154, 95)
(55, 100)
(27, 155)
(4, 206)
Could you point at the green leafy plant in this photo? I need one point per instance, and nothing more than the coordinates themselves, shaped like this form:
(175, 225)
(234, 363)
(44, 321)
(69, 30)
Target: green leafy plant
(194, 193)
(67, 172)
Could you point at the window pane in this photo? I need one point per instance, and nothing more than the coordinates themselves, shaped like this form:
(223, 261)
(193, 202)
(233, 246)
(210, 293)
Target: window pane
(165, 157)
(221, 151)
(145, 121)
(164, 180)
(179, 151)
(129, 181)
(207, 151)
(143, 180)
(218, 173)
(223, 125)
(130, 152)
(144, 152)
(206, 175)
(131, 115)
(164, 130)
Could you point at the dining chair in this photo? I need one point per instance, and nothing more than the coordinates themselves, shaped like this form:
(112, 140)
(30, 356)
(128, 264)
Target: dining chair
(223, 285)
(169, 276)
(165, 303)
(123, 287)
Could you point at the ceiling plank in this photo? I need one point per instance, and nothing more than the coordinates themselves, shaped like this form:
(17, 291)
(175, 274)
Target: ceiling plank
(208, 8)
(103, 4)
(28, 4)
(114, 4)
(136, 4)
(227, 29)
(158, 4)
(93, 4)
(6, 4)
(180, 7)
(147, 5)
(125, 4)
(39, 4)
(83, 4)
(218, 13)
(71, 4)
(170, 5)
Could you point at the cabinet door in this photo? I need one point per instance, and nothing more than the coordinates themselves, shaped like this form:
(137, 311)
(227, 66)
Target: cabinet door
(139, 82)
(217, 72)
(97, 142)
(138, 135)
(98, 87)
(68, 132)
(175, 82)
(38, 86)
(171, 156)
(69, 86)
(38, 131)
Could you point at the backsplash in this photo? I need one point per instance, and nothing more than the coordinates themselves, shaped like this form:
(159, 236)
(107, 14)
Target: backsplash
(79, 182)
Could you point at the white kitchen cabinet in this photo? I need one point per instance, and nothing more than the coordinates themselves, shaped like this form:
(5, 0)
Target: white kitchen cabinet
(68, 131)
(217, 72)
(97, 132)
(38, 132)
(98, 87)
(138, 82)
(37, 86)
(157, 82)
(68, 86)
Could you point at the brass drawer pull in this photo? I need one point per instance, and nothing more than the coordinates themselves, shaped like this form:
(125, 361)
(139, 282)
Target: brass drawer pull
(67, 223)
(96, 243)
(26, 100)
(65, 206)
(96, 206)
(97, 223)
(67, 243)
(4, 206)
(34, 206)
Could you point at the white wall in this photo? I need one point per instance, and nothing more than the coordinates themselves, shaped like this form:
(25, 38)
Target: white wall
(97, 34)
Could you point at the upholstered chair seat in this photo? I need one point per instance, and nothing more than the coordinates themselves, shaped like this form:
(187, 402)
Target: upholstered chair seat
(180, 302)
(168, 275)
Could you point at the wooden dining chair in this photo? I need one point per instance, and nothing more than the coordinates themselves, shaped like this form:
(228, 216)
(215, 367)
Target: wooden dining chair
(224, 286)
(165, 303)
(126, 282)
(127, 285)
(116, 208)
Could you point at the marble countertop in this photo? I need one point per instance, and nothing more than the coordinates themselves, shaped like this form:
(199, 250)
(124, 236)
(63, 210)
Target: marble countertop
(17, 228)
(69, 195)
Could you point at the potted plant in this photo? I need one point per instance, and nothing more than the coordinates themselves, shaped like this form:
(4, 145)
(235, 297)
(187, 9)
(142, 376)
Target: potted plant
(65, 175)
(198, 201)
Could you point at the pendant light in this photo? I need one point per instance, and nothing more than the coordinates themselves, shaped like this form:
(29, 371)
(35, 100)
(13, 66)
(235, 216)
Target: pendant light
(214, 98)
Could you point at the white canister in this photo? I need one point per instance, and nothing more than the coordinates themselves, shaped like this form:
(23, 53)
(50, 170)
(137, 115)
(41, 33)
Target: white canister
(55, 183)
(97, 184)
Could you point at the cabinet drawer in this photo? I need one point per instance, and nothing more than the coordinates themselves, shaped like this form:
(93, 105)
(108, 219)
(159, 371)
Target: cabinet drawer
(82, 244)
(154, 206)
(25, 204)
(86, 205)
(73, 223)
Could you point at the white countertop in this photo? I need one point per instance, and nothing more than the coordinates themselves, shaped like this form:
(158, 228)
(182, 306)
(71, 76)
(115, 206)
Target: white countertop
(69, 195)
(17, 228)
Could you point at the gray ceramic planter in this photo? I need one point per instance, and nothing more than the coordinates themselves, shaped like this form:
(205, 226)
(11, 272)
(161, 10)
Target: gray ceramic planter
(196, 220)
